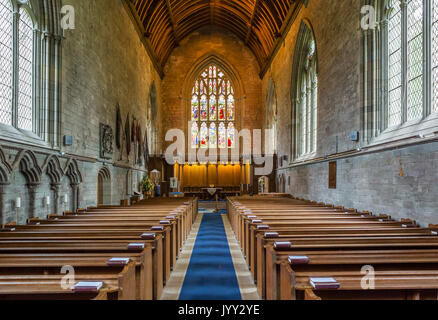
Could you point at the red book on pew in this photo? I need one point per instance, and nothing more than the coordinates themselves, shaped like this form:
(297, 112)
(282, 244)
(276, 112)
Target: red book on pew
(157, 228)
(298, 259)
(164, 222)
(270, 235)
(262, 227)
(282, 245)
(118, 261)
(324, 283)
(136, 246)
(87, 286)
(148, 236)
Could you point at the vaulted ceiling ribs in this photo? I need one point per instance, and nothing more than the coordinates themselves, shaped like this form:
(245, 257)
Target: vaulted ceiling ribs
(259, 23)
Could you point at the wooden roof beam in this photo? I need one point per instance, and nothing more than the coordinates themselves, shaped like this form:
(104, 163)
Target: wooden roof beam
(294, 9)
(212, 11)
(130, 9)
(251, 22)
(172, 20)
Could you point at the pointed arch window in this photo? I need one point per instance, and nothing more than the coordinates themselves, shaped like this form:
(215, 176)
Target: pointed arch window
(305, 84)
(213, 110)
(401, 87)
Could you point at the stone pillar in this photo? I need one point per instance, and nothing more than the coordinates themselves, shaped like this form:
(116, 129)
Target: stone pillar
(75, 196)
(55, 189)
(2, 202)
(32, 187)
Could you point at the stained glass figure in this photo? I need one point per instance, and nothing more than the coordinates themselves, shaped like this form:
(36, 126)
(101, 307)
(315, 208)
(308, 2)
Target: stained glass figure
(230, 135)
(195, 135)
(222, 136)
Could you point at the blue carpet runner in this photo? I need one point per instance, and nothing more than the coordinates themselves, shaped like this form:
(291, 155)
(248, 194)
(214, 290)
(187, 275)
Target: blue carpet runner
(211, 274)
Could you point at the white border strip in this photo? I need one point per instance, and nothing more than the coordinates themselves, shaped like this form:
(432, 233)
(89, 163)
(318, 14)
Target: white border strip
(173, 288)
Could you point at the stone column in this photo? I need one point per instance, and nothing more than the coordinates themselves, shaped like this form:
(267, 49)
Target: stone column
(2, 202)
(32, 187)
(75, 196)
(55, 189)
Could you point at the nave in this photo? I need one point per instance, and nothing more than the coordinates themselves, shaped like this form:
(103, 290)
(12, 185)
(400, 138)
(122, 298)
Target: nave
(271, 247)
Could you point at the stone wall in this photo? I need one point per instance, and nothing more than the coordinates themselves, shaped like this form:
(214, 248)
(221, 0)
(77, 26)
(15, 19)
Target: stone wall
(103, 64)
(399, 181)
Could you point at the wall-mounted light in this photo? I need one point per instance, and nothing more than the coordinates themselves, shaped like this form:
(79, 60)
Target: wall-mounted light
(18, 203)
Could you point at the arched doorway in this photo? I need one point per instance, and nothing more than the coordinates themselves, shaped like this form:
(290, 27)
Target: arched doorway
(104, 187)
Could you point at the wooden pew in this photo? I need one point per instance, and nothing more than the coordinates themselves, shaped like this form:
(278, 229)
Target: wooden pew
(120, 281)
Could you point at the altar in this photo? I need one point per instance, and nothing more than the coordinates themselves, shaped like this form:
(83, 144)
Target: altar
(211, 193)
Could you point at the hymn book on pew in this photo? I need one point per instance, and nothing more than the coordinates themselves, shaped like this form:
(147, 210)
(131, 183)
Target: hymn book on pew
(118, 261)
(324, 283)
(88, 286)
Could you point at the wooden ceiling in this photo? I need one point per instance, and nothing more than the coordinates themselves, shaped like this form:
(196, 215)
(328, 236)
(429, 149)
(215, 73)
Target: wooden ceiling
(260, 24)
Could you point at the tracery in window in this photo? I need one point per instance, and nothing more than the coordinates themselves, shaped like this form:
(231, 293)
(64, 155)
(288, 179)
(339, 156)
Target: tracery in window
(395, 66)
(25, 46)
(213, 110)
(6, 61)
(415, 60)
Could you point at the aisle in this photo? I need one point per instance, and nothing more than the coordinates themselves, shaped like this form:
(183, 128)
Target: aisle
(211, 274)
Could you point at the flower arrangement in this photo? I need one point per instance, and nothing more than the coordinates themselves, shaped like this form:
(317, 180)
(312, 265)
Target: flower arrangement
(147, 185)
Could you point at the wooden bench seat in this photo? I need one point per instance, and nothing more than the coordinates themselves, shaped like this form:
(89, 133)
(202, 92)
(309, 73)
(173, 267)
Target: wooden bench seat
(119, 280)
(51, 263)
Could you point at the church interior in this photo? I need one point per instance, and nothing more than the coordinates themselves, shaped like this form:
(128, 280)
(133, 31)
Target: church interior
(218, 150)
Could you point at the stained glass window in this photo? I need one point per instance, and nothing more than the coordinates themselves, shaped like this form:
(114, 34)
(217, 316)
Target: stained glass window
(222, 136)
(204, 108)
(230, 108)
(213, 110)
(6, 58)
(25, 28)
(435, 56)
(395, 66)
(204, 135)
(195, 108)
(213, 135)
(195, 135)
(231, 135)
(222, 107)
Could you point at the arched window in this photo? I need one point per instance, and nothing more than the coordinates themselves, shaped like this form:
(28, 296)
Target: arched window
(16, 81)
(213, 110)
(6, 61)
(305, 84)
(401, 86)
